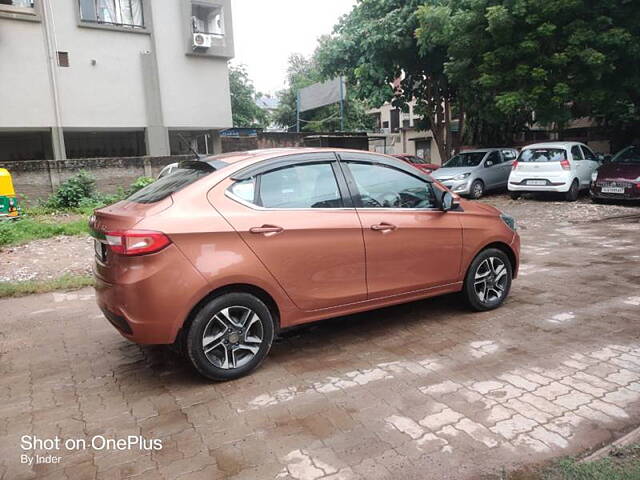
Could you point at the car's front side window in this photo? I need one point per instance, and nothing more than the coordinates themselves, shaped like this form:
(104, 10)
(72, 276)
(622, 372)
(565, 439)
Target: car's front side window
(300, 186)
(493, 159)
(385, 187)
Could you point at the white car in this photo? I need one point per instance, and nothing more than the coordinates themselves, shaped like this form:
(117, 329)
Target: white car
(563, 167)
(167, 170)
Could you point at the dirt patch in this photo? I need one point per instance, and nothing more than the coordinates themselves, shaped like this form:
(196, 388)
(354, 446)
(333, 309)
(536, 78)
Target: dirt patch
(541, 211)
(46, 259)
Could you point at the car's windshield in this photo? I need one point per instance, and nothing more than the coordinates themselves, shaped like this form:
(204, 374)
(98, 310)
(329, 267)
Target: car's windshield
(180, 177)
(466, 159)
(628, 155)
(538, 155)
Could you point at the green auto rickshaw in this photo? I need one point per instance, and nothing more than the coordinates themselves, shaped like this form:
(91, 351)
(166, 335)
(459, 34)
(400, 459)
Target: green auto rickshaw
(9, 207)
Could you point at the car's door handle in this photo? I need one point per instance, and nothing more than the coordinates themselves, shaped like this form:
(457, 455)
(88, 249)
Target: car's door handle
(267, 229)
(383, 227)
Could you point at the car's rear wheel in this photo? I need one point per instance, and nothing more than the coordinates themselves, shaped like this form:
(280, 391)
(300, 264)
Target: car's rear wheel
(574, 191)
(230, 336)
(477, 189)
(488, 280)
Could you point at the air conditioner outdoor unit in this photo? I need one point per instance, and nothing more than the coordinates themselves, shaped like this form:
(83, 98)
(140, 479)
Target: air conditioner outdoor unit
(201, 40)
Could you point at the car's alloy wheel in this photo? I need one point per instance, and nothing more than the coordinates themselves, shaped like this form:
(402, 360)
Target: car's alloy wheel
(477, 189)
(488, 280)
(230, 336)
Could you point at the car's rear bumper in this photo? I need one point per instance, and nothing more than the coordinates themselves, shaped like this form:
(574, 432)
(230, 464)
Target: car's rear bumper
(149, 301)
(631, 192)
(560, 187)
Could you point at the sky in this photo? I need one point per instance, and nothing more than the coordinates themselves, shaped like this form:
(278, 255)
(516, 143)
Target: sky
(267, 32)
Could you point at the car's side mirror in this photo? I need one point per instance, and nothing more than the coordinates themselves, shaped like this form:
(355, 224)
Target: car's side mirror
(447, 202)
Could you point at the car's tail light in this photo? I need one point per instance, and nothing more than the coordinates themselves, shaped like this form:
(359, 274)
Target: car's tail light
(565, 164)
(136, 242)
(515, 165)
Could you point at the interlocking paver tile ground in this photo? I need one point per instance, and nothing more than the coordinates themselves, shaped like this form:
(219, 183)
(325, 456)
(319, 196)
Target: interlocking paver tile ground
(423, 390)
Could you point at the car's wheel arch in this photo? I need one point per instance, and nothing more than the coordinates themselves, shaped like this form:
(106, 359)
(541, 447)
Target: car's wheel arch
(505, 248)
(254, 290)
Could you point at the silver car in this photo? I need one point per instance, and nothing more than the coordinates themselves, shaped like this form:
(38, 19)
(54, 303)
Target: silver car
(473, 172)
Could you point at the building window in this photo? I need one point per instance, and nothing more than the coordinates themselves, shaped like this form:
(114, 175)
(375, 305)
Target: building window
(121, 13)
(63, 59)
(18, 3)
(207, 19)
(20, 7)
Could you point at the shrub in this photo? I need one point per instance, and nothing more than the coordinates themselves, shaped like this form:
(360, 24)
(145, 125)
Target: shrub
(73, 191)
(140, 183)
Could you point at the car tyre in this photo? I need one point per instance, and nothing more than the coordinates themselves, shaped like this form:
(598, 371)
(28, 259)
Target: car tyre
(477, 189)
(488, 280)
(230, 336)
(515, 195)
(574, 191)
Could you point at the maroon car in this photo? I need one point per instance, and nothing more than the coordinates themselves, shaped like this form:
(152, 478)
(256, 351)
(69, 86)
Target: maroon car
(618, 179)
(417, 162)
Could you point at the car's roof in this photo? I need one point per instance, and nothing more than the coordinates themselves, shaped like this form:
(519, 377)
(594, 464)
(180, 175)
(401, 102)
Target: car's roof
(553, 145)
(267, 153)
(488, 149)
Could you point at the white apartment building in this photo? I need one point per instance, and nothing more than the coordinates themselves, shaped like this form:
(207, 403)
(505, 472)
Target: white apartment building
(113, 78)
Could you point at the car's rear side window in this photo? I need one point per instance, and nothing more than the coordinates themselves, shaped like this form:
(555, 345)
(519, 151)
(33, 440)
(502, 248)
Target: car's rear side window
(168, 185)
(541, 155)
(300, 186)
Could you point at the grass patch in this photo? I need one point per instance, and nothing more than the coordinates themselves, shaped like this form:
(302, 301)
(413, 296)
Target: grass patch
(621, 464)
(65, 282)
(16, 232)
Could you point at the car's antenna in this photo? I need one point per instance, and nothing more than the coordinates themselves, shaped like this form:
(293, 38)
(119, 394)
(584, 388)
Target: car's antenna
(191, 149)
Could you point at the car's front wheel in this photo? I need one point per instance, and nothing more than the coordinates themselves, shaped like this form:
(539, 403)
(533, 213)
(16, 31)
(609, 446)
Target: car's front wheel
(477, 189)
(488, 280)
(230, 336)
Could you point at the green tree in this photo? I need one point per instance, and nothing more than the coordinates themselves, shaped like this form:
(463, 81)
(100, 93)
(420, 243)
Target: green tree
(245, 111)
(519, 60)
(375, 47)
(303, 72)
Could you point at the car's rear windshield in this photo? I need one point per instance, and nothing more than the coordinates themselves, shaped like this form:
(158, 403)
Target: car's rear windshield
(541, 155)
(467, 159)
(184, 175)
(628, 155)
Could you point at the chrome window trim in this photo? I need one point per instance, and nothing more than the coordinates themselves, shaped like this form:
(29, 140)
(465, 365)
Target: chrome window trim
(252, 206)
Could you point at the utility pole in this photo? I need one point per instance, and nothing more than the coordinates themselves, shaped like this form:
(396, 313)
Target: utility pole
(342, 104)
(298, 111)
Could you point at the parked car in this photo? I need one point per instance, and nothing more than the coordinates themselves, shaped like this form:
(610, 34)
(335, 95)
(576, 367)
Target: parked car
(474, 172)
(618, 178)
(564, 167)
(9, 206)
(419, 163)
(222, 254)
(167, 170)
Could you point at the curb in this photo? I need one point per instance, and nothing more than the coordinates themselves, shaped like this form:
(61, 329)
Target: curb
(631, 437)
